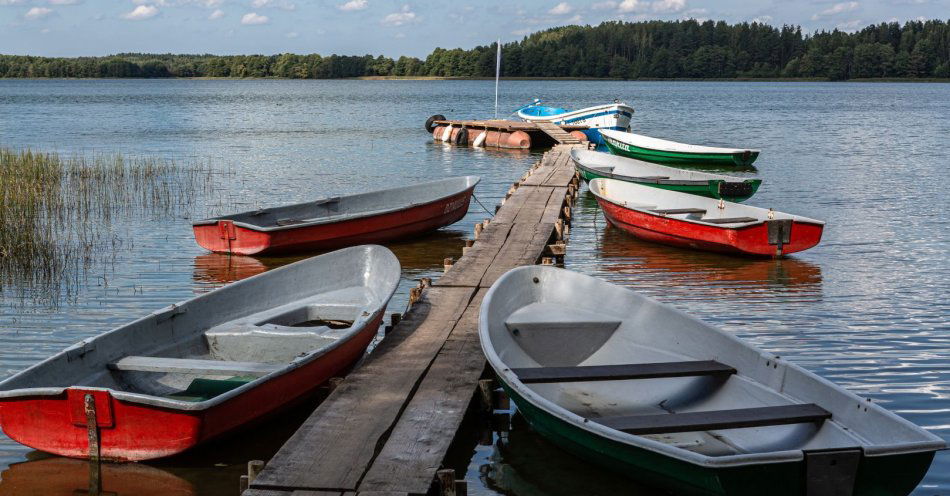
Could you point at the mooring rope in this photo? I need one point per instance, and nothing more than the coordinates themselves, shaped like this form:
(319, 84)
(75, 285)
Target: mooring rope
(483, 206)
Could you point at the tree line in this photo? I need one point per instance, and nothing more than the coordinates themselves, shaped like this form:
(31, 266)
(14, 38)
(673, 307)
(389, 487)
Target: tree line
(624, 50)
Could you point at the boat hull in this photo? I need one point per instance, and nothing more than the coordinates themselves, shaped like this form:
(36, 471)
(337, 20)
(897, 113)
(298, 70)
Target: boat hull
(739, 159)
(752, 240)
(893, 475)
(224, 236)
(710, 189)
(134, 431)
(616, 117)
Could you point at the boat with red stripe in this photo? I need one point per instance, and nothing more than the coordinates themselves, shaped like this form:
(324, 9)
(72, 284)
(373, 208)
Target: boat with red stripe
(198, 369)
(330, 223)
(692, 221)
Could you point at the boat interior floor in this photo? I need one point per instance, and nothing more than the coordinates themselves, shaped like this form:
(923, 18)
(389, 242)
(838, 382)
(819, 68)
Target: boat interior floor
(233, 353)
(633, 380)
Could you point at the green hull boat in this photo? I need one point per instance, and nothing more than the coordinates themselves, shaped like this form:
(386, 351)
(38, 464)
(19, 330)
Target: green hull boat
(594, 165)
(646, 390)
(670, 152)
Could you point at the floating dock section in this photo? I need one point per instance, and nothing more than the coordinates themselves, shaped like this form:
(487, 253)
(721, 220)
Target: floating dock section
(504, 134)
(385, 429)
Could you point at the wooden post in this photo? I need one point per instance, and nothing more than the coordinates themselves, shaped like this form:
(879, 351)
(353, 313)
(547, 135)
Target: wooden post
(425, 282)
(485, 387)
(547, 261)
(254, 467)
(447, 264)
(478, 229)
(395, 319)
(92, 427)
(559, 228)
(243, 484)
(461, 487)
(447, 481)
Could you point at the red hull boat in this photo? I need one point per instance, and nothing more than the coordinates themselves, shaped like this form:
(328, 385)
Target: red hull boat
(198, 369)
(690, 221)
(327, 224)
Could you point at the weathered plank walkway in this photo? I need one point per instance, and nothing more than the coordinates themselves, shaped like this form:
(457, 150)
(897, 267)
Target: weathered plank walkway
(386, 428)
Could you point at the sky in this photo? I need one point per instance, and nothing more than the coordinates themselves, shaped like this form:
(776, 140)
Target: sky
(387, 27)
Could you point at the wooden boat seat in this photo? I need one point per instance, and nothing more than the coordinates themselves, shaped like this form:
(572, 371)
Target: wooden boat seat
(730, 220)
(540, 375)
(667, 211)
(716, 419)
(193, 366)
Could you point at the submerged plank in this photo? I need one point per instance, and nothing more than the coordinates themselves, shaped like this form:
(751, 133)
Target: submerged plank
(419, 442)
(335, 445)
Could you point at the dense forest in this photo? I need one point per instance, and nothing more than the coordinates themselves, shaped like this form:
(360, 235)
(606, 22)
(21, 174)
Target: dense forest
(652, 49)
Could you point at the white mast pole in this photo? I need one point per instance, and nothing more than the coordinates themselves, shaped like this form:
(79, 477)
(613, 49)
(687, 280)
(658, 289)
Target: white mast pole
(497, 75)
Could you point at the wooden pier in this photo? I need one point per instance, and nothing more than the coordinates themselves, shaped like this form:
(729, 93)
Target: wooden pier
(506, 134)
(385, 429)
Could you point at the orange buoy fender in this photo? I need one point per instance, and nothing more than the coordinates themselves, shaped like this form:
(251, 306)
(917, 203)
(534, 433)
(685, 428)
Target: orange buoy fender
(579, 135)
(517, 139)
(437, 133)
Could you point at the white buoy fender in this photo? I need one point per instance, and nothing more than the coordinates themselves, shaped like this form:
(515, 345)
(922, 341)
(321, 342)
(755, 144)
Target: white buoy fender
(480, 140)
(447, 133)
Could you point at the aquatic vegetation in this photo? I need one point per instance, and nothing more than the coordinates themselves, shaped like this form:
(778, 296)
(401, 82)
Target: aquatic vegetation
(57, 213)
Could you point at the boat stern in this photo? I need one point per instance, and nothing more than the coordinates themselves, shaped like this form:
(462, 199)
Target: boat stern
(223, 236)
(87, 423)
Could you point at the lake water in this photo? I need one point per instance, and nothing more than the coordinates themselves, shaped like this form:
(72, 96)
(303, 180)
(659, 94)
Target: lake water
(869, 308)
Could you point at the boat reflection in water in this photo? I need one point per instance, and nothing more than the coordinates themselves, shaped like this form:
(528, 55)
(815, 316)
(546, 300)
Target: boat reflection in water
(420, 256)
(525, 464)
(56, 476)
(714, 274)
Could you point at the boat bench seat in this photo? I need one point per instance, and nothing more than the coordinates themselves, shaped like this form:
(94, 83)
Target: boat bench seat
(730, 220)
(539, 375)
(716, 419)
(193, 366)
(667, 211)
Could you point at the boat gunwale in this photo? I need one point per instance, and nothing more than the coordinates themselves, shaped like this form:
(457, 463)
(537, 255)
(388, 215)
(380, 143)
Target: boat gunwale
(470, 181)
(935, 443)
(359, 325)
(672, 170)
(674, 148)
(734, 226)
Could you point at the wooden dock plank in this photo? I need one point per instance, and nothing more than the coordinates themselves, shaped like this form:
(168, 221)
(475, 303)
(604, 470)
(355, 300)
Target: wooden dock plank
(418, 444)
(524, 246)
(470, 269)
(334, 446)
(386, 429)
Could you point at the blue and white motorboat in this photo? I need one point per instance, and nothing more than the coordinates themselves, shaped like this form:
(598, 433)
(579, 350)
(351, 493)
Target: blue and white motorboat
(615, 115)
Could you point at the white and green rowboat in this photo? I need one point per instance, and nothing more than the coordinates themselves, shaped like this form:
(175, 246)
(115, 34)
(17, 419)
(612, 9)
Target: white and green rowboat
(670, 152)
(595, 165)
(649, 391)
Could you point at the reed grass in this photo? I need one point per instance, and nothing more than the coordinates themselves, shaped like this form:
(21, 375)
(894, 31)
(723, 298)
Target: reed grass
(57, 213)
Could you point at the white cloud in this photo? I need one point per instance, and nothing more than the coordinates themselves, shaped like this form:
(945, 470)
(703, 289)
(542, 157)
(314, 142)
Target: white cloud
(628, 6)
(353, 5)
(662, 6)
(63, 2)
(607, 5)
(836, 9)
(37, 13)
(217, 14)
(253, 18)
(11, 2)
(277, 4)
(292, 34)
(160, 3)
(522, 32)
(849, 25)
(405, 16)
(764, 19)
(562, 8)
(141, 12)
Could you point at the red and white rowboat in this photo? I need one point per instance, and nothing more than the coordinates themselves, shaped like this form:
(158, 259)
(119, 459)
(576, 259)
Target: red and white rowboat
(691, 221)
(198, 369)
(330, 223)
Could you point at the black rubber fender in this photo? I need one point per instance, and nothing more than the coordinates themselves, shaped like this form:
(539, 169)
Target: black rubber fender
(430, 122)
(461, 137)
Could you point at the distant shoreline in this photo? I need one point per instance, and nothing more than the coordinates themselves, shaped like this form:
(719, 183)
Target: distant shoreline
(462, 78)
